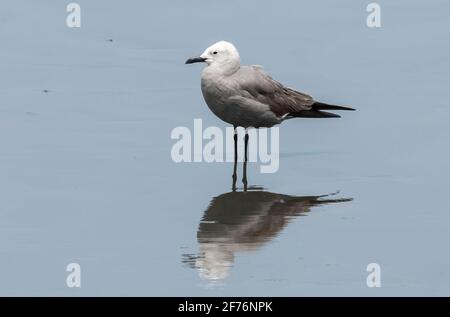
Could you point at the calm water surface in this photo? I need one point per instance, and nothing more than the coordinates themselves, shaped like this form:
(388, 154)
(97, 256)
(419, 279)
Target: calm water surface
(87, 177)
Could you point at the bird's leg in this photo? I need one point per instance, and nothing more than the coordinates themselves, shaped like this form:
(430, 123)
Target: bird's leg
(235, 160)
(244, 177)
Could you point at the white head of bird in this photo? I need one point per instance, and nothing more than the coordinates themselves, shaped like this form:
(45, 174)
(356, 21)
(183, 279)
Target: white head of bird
(221, 57)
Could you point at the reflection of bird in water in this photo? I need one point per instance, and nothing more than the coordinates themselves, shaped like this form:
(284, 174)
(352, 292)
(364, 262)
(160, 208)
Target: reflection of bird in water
(244, 221)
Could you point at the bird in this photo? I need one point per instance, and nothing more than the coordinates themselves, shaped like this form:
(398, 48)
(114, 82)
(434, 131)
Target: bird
(248, 97)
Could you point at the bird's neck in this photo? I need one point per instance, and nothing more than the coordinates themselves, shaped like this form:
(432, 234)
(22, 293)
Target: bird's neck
(226, 69)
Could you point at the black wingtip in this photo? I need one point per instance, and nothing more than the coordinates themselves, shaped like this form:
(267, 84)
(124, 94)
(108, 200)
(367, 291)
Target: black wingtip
(314, 114)
(325, 114)
(325, 106)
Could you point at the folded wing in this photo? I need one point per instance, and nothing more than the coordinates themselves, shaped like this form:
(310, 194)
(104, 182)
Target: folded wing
(283, 101)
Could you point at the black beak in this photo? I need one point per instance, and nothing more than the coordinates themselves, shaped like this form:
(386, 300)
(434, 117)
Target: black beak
(195, 60)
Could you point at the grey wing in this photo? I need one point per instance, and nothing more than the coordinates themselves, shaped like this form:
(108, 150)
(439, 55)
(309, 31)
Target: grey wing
(249, 112)
(262, 88)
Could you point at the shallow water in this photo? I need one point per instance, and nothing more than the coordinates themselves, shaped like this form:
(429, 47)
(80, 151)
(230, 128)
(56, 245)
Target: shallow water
(87, 176)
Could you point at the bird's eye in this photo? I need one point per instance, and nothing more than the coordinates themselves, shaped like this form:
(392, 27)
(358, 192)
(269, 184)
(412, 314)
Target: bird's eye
(215, 52)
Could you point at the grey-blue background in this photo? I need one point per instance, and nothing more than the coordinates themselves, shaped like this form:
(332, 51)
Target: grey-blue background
(86, 174)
